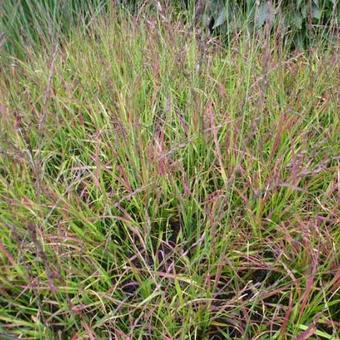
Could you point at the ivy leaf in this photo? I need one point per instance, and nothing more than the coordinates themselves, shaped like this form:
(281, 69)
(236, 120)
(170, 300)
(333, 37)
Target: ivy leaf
(222, 17)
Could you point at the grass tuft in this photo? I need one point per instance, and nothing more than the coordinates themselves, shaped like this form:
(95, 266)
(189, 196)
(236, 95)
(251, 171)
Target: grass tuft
(154, 184)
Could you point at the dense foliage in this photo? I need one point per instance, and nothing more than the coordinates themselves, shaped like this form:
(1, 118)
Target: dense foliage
(28, 22)
(299, 18)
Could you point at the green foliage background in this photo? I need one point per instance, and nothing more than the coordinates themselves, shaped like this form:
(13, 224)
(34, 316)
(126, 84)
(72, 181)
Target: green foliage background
(26, 23)
(301, 18)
